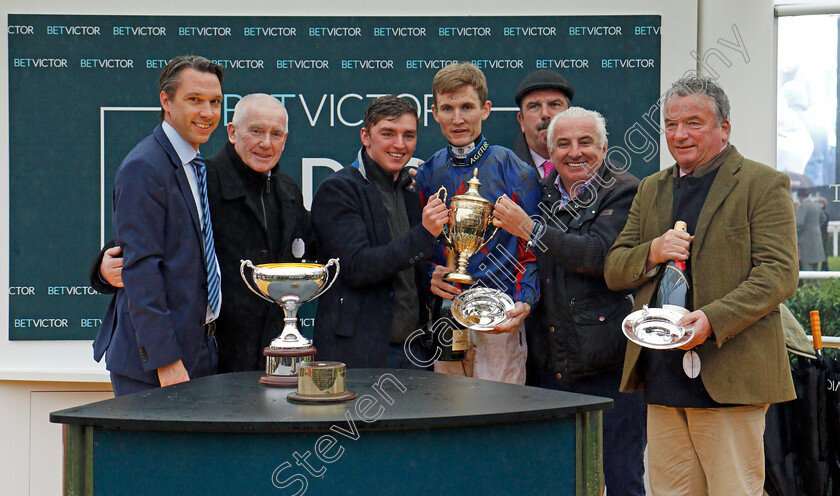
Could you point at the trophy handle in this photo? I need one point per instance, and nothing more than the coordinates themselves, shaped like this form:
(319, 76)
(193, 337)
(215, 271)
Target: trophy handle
(443, 189)
(242, 265)
(332, 261)
(488, 239)
(494, 230)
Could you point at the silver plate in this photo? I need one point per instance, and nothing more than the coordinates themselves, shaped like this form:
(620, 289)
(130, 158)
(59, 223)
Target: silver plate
(656, 328)
(481, 309)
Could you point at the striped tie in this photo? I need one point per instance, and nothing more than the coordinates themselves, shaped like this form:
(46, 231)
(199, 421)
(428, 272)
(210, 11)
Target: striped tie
(210, 261)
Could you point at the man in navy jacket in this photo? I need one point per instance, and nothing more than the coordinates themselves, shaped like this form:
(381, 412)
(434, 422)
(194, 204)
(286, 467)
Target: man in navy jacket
(158, 330)
(258, 214)
(366, 216)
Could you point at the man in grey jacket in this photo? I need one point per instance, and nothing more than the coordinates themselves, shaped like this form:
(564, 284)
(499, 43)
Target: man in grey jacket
(811, 253)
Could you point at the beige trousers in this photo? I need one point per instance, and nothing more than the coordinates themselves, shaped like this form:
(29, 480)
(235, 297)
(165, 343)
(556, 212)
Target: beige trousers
(706, 451)
(494, 357)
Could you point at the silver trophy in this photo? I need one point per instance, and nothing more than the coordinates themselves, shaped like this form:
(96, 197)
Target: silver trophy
(289, 285)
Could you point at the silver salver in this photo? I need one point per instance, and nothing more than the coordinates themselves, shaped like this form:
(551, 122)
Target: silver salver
(657, 328)
(481, 308)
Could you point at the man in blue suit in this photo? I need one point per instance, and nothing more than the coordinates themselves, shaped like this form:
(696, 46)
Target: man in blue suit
(159, 329)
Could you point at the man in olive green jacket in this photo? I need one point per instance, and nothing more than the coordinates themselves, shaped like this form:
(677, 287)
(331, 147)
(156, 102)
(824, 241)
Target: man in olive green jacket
(705, 432)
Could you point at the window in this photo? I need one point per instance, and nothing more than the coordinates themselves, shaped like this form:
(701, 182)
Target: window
(807, 99)
(806, 119)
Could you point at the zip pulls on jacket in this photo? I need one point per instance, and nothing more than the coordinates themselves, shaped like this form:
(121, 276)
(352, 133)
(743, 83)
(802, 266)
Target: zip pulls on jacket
(266, 190)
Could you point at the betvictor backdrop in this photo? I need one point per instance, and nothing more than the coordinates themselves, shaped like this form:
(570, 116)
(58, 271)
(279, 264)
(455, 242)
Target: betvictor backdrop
(83, 92)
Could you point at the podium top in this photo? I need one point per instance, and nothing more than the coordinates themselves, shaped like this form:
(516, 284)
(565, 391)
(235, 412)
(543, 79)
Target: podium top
(387, 399)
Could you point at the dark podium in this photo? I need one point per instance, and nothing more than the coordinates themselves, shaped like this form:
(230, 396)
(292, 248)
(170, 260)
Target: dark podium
(407, 433)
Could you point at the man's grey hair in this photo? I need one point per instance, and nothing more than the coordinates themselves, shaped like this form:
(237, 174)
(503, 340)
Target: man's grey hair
(262, 99)
(700, 85)
(576, 113)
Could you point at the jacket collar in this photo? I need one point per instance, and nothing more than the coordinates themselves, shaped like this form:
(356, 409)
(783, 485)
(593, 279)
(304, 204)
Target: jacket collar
(186, 152)
(521, 149)
(404, 180)
(552, 194)
(233, 178)
(360, 165)
(725, 180)
(164, 143)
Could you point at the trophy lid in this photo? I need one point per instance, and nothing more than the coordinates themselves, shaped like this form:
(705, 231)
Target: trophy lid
(472, 191)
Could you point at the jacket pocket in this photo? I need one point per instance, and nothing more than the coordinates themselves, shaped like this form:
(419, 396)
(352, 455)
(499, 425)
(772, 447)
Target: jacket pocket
(596, 342)
(337, 313)
(734, 232)
(346, 316)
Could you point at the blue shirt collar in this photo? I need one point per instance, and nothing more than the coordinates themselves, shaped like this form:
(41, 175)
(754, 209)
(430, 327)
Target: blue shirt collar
(185, 151)
(565, 197)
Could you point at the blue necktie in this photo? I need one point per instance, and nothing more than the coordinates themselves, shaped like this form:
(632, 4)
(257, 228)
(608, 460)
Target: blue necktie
(210, 261)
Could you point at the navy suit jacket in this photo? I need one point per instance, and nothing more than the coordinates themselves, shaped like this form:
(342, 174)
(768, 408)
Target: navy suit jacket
(157, 318)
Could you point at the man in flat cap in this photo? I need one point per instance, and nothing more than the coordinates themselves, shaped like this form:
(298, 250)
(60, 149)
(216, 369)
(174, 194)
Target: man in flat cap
(540, 96)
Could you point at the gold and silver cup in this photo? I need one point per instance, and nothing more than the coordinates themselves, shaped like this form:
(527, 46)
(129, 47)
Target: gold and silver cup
(470, 216)
(289, 285)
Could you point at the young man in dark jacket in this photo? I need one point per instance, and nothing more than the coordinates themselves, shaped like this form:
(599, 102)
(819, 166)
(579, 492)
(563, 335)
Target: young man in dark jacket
(366, 216)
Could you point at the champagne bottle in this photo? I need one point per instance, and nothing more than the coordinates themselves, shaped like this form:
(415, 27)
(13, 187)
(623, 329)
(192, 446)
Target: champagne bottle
(449, 336)
(674, 289)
